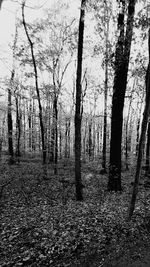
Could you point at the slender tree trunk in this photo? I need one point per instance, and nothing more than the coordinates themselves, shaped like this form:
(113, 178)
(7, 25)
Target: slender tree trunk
(30, 125)
(78, 116)
(49, 127)
(120, 80)
(139, 115)
(18, 128)
(60, 144)
(67, 138)
(33, 126)
(137, 135)
(56, 134)
(10, 122)
(146, 115)
(105, 91)
(127, 138)
(24, 126)
(147, 171)
(52, 142)
(9, 111)
(98, 140)
(84, 138)
(36, 85)
(90, 139)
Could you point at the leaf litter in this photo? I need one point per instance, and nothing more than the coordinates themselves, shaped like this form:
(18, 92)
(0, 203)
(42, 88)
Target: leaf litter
(38, 229)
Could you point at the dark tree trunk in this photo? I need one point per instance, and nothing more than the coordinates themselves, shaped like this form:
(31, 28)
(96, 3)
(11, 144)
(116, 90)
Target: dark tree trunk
(33, 126)
(18, 128)
(78, 115)
(52, 142)
(60, 144)
(84, 138)
(147, 171)
(119, 89)
(24, 125)
(105, 91)
(137, 135)
(9, 111)
(90, 140)
(127, 136)
(146, 115)
(30, 125)
(1, 1)
(98, 140)
(67, 138)
(56, 133)
(10, 122)
(10, 126)
(36, 85)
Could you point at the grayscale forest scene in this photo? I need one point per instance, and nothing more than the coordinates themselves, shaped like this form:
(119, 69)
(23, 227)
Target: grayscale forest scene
(75, 133)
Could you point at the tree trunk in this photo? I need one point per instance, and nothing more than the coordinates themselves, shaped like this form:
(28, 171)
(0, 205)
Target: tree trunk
(36, 85)
(147, 173)
(18, 128)
(67, 138)
(52, 142)
(137, 135)
(30, 125)
(105, 91)
(24, 125)
(78, 116)
(10, 122)
(56, 133)
(60, 144)
(33, 126)
(146, 115)
(119, 89)
(1, 1)
(127, 135)
(90, 139)
(9, 111)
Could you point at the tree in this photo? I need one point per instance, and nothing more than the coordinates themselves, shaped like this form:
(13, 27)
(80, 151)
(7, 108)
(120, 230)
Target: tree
(36, 84)
(147, 173)
(18, 124)
(78, 114)
(9, 119)
(9, 110)
(106, 89)
(1, 1)
(146, 115)
(120, 82)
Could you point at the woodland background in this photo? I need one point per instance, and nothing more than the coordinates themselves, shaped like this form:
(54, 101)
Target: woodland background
(75, 134)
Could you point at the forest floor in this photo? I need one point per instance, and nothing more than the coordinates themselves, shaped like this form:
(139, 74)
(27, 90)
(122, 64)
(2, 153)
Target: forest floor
(41, 224)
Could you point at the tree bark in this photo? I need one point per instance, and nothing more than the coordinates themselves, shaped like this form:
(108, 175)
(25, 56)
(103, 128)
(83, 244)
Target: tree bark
(90, 139)
(9, 111)
(78, 115)
(18, 128)
(56, 134)
(67, 138)
(137, 135)
(105, 91)
(10, 122)
(147, 173)
(119, 89)
(146, 115)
